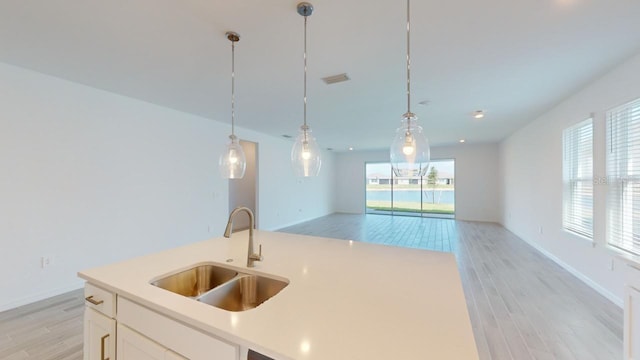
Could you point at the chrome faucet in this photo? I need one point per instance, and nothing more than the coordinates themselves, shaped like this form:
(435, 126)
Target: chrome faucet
(251, 256)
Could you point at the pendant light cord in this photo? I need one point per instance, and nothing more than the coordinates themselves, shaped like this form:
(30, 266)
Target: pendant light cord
(233, 87)
(305, 9)
(409, 114)
(408, 56)
(305, 77)
(305, 127)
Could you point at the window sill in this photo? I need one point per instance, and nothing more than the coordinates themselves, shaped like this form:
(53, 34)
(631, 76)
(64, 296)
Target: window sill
(580, 236)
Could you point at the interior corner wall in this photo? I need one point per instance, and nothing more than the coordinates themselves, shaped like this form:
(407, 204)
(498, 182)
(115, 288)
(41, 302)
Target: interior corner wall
(531, 168)
(477, 179)
(88, 177)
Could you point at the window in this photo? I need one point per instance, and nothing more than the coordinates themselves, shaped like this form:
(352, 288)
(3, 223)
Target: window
(432, 195)
(577, 166)
(623, 177)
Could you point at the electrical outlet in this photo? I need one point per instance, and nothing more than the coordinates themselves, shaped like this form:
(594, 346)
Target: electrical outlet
(46, 261)
(612, 265)
(540, 229)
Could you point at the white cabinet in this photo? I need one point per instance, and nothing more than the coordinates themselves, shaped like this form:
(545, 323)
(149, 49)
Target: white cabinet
(99, 336)
(99, 325)
(632, 315)
(143, 334)
(174, 335)
(133, 346)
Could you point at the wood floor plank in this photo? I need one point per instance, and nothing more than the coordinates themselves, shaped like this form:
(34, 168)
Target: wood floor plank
(46, 330)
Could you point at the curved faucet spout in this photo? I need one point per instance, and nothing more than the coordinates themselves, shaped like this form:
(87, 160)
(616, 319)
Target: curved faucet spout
(251, 256)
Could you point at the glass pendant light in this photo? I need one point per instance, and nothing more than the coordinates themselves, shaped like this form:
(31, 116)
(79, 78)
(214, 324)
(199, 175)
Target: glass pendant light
(305, 154)
(410, 147)
(232, 162)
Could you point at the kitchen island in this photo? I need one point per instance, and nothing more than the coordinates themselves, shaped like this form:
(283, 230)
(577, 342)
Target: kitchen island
(344, 300)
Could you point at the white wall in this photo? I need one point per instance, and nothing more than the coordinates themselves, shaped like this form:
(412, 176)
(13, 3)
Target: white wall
(477, 177)
(92, 177)
(244, 192)
(531, 162)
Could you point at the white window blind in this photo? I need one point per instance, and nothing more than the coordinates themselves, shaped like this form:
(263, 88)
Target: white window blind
(577, 174)
(623, 177)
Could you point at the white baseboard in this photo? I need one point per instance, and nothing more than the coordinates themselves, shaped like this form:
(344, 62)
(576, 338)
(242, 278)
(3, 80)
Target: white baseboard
(40, 296)
(595, 286)
(277, 228)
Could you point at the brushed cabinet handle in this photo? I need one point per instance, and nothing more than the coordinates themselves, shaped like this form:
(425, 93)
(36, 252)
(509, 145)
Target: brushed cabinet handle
(102, 339)
(94, 302)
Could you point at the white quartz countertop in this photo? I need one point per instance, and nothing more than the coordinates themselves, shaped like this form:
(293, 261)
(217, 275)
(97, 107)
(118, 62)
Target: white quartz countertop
(345, 299)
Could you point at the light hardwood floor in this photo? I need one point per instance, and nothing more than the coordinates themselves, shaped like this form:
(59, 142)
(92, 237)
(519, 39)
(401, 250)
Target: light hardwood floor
(522, 305)
(50, 329)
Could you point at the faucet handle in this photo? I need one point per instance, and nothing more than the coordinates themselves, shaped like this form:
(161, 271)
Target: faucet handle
(258, 256)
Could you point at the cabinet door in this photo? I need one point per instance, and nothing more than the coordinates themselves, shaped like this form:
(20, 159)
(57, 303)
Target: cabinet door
(632, 324)
(184, 340)
(134, 346)
(99, 336)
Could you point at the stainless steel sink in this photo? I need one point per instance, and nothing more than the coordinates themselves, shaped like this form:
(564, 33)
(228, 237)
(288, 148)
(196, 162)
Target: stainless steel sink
(243, 293)
(222, 287)
(196, 281)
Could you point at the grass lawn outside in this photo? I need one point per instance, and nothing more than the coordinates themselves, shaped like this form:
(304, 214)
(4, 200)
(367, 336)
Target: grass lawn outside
(411, 207)
(377, 187)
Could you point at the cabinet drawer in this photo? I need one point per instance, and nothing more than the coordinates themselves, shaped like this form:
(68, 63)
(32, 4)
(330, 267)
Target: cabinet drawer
(100, 300)
(174, 335)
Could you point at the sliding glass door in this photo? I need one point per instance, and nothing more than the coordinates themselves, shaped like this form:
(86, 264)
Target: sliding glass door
(379, 190)
(429, 195)
(407, 195)
(439, 188)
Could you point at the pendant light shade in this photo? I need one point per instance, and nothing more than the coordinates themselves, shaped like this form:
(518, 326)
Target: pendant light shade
(409, 150)
(232, 162)
(305, 154)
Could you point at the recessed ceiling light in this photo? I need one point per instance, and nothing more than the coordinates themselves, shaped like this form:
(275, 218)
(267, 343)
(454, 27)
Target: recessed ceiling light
(330, 149)
(462, 140)
(424, 102)
(350, 148)
(478, 114)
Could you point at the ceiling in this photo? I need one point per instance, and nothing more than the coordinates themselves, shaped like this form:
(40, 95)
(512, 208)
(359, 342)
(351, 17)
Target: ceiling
(513, 59)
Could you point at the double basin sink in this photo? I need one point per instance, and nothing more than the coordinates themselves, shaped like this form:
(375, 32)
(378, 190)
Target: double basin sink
(222, 287)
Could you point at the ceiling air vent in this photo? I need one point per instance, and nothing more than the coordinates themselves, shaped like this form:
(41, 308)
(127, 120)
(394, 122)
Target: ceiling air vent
(335, 79)
(286, 136)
